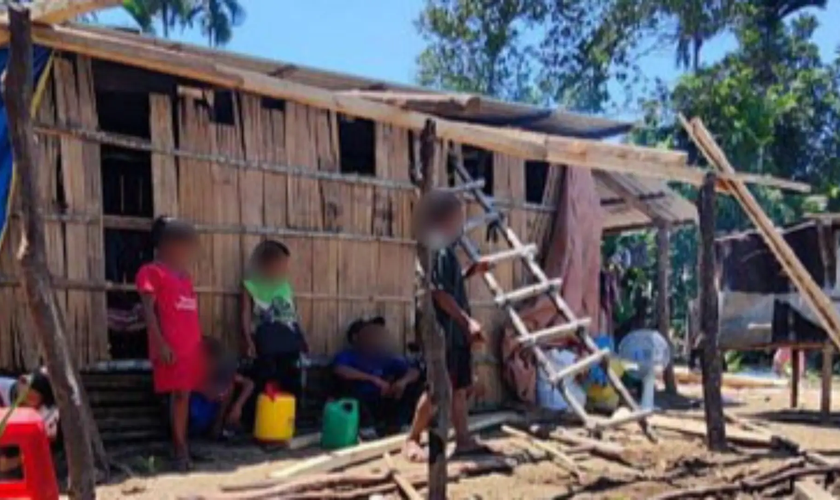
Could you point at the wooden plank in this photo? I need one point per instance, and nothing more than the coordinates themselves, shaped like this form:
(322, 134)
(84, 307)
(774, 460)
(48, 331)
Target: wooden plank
(530, 145)
(276, 149)
(807, 489)
(698, 428)
(561, 457)
(368, 451)
(57, 11)
(326, 336)
(820, 303)
(826, 378)
(406, 487)
(164, 167)
(422, 101)
(77, 312)
(256, 127)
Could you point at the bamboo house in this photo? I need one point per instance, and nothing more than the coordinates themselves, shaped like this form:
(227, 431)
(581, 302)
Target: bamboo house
(131, 127)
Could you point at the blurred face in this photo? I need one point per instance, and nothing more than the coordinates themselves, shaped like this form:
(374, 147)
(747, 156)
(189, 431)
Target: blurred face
(276, 269)
(453, 225)
(33, 399)
(372, 339)
(179, 253)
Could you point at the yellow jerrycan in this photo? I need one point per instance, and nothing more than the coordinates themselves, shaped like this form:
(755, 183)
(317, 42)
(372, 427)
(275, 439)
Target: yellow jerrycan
(275, 419)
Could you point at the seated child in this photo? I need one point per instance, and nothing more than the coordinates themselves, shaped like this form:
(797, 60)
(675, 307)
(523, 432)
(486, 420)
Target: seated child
(271, 331)
(217, 407)
(33, 391)
(385, 385)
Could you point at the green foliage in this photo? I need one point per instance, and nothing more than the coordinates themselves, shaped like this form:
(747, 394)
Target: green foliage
(215, 18)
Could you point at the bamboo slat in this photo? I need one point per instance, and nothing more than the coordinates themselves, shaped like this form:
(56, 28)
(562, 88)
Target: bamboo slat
(325, 318)
(97, 335)
(227, 248)
(328, 158)
(77, 313)
(256, 128)
(304, 210)
(164, 168)
(301, 272)
(276, 149)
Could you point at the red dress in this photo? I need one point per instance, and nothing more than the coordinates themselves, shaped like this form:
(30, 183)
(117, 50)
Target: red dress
(176, 306)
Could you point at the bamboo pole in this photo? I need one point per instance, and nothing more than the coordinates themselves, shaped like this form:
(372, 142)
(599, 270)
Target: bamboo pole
(49, 325)
(711, 364)
(663, 311)
(434, 348)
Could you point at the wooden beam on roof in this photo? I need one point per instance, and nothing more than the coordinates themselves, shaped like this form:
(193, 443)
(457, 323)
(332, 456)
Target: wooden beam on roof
(57, 12)
(583, 153)
(813, 294)
(426, 102)
(630, 198)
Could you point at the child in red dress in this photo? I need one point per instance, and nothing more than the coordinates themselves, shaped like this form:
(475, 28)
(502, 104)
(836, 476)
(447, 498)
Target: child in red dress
(171, 310)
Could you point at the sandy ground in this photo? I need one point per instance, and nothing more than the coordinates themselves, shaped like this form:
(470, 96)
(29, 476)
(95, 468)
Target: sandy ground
(677, 461)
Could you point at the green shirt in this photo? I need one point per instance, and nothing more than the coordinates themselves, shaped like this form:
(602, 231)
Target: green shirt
(274, 302)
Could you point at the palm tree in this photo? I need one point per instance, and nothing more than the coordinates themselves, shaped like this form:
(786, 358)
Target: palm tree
(170, 13)
(697, 22)
(217, 19)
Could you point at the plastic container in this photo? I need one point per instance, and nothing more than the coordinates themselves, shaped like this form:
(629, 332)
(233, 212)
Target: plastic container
(548, 395)
(275, 419)
(25, 431)
(341, 424)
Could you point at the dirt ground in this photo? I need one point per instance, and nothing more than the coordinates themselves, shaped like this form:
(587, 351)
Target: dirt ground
(676, 461)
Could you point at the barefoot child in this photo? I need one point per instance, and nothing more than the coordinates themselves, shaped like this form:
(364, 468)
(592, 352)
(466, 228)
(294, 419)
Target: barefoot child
(441, 220)
(171, 311)
(29, 391)
(271, 331)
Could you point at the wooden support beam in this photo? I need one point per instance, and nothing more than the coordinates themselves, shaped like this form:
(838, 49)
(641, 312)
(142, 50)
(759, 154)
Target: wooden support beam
(795, 376)
(668, 165)
(404, 484)
(57, 11)
(426, 102)
(663, 309)
(708, 298)
(555, 452)
(698, 428)
(434, 348)
(827, 377)
(820, 303)
(50, 330)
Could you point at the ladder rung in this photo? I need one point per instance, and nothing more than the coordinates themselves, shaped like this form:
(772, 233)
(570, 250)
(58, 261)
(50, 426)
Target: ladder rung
(511, 254)
(466, 187)
(580, 365)
(482, 220)
(554, 331)
(529, 291)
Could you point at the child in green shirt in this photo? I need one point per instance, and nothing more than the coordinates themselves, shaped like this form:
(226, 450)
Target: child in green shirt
(271, 331)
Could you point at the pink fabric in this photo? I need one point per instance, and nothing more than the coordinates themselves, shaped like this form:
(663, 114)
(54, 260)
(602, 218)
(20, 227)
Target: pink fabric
(573, 254)
(176, 306)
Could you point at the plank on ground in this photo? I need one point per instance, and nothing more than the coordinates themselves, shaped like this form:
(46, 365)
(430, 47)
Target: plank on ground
(374, 449)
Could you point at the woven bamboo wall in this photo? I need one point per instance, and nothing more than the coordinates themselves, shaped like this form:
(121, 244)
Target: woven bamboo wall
(350, 240)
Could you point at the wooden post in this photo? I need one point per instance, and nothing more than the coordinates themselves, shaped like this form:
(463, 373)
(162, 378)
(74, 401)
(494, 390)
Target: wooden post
(796, 369)
(434, 347)
(711, 364)
(663, 311)
(827, 375)
(49, 325)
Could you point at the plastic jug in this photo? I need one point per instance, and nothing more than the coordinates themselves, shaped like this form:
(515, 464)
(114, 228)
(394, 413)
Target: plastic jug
(25, 431)
(275, 419)
(341, 424)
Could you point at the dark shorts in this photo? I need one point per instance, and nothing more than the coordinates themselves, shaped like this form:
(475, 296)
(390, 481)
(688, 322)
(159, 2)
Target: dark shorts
(459, 365)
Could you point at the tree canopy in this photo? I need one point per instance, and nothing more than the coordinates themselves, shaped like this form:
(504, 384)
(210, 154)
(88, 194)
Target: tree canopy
(215, 18)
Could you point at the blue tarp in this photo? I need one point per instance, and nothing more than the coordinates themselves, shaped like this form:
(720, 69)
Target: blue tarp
(41, 57)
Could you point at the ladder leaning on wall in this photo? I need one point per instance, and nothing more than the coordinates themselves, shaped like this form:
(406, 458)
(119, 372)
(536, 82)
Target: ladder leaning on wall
(507, 301)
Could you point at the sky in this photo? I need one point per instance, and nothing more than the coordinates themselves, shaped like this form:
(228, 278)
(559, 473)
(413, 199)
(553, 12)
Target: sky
(378, 39)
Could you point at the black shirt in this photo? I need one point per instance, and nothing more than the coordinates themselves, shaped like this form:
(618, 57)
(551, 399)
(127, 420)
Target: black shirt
(448, 277)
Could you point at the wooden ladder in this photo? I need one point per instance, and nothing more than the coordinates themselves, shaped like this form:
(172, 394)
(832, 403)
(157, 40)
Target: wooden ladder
(578, 327)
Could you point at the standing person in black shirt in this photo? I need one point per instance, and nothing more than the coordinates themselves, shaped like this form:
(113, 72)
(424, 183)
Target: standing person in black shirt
(441, 221)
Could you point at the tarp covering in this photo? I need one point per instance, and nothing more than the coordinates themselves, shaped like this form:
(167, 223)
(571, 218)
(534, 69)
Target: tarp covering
(41, 57)
(572, 253)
